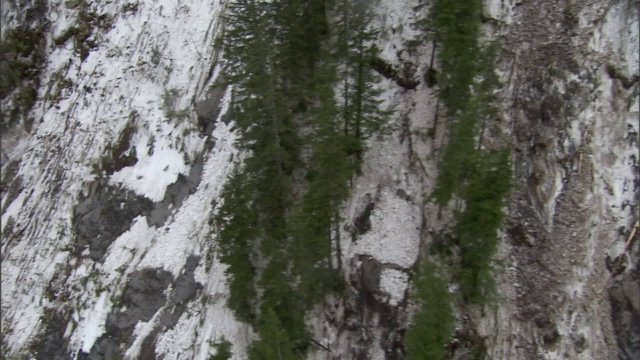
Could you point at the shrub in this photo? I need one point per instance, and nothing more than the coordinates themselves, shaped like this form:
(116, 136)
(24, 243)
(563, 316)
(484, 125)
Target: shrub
(223, 351)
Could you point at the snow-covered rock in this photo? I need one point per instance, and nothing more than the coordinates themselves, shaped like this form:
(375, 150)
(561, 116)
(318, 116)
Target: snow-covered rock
(107, 246)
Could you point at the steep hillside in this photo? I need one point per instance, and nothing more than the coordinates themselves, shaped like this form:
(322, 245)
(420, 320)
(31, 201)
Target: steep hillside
(124, 126)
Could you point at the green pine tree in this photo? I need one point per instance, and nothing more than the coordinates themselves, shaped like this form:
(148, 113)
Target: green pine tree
(360, 105)
(299, 157)
(432, 325)
(237, 223)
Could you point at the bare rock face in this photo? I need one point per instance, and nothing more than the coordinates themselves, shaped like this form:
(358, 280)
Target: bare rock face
(624, 295)
(572, 124)
(569, 212)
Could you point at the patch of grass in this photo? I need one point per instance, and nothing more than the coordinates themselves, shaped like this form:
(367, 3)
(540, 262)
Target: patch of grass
(120, 153)
(130, 7)
(59, 90)
(156, 56)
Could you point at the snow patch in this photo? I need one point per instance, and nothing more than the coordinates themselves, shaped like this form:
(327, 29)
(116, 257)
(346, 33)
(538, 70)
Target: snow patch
(92, 326)
(121, 79)
(126, 251)
(151, 175)
(13, 209)
(395, 232)
(181, 237)
(395, 284)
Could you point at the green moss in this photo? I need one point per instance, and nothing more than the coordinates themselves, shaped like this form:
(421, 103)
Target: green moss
(170, 99)
(22, 58)
(21, 61)
(67, 34)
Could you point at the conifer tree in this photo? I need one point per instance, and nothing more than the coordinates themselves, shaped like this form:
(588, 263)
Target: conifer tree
(328, 177)
(299, 147)
(432, 326)
(360, 103)
(477, 176)
(274, 344)
(237, 223)
(478, 223)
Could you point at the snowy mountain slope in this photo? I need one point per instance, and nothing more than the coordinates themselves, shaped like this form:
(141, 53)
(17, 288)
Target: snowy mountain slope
(142, 79)
(107, 248)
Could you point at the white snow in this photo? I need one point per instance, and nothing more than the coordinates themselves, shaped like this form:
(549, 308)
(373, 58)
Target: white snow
(153, 173)
(13, 209)
(395, 283)
(167, 45)
(184, 234)
(119, 79)
(127, 250)
(395, 232)
(93, 322)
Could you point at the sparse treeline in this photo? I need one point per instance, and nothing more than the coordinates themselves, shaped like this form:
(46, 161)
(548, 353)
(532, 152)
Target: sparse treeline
(477, 176)
(303, 141)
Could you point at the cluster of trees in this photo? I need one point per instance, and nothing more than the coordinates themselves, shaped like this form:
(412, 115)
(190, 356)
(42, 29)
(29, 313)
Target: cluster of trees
(22, 57)
(305, 103)
(433, 323)
(477, 177)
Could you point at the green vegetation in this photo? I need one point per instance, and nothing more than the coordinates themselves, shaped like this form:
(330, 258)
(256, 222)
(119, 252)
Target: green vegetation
(478, 223)
(303, 144)
(476, 177)
(238, 220)
(82, 32)
(223, 351)
(479, 177)
(360, 107)
(433, 324)
(21, 59)
(456, 30)
(169, 105)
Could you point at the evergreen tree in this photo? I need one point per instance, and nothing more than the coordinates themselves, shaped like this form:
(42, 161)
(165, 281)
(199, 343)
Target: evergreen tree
(237, 223)
(360, 103)
(478, 223)
(274, 343)
(299, 148)
(223, 351)
(432, 326)
(328, 177)
(479, 177)
(456, 26)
